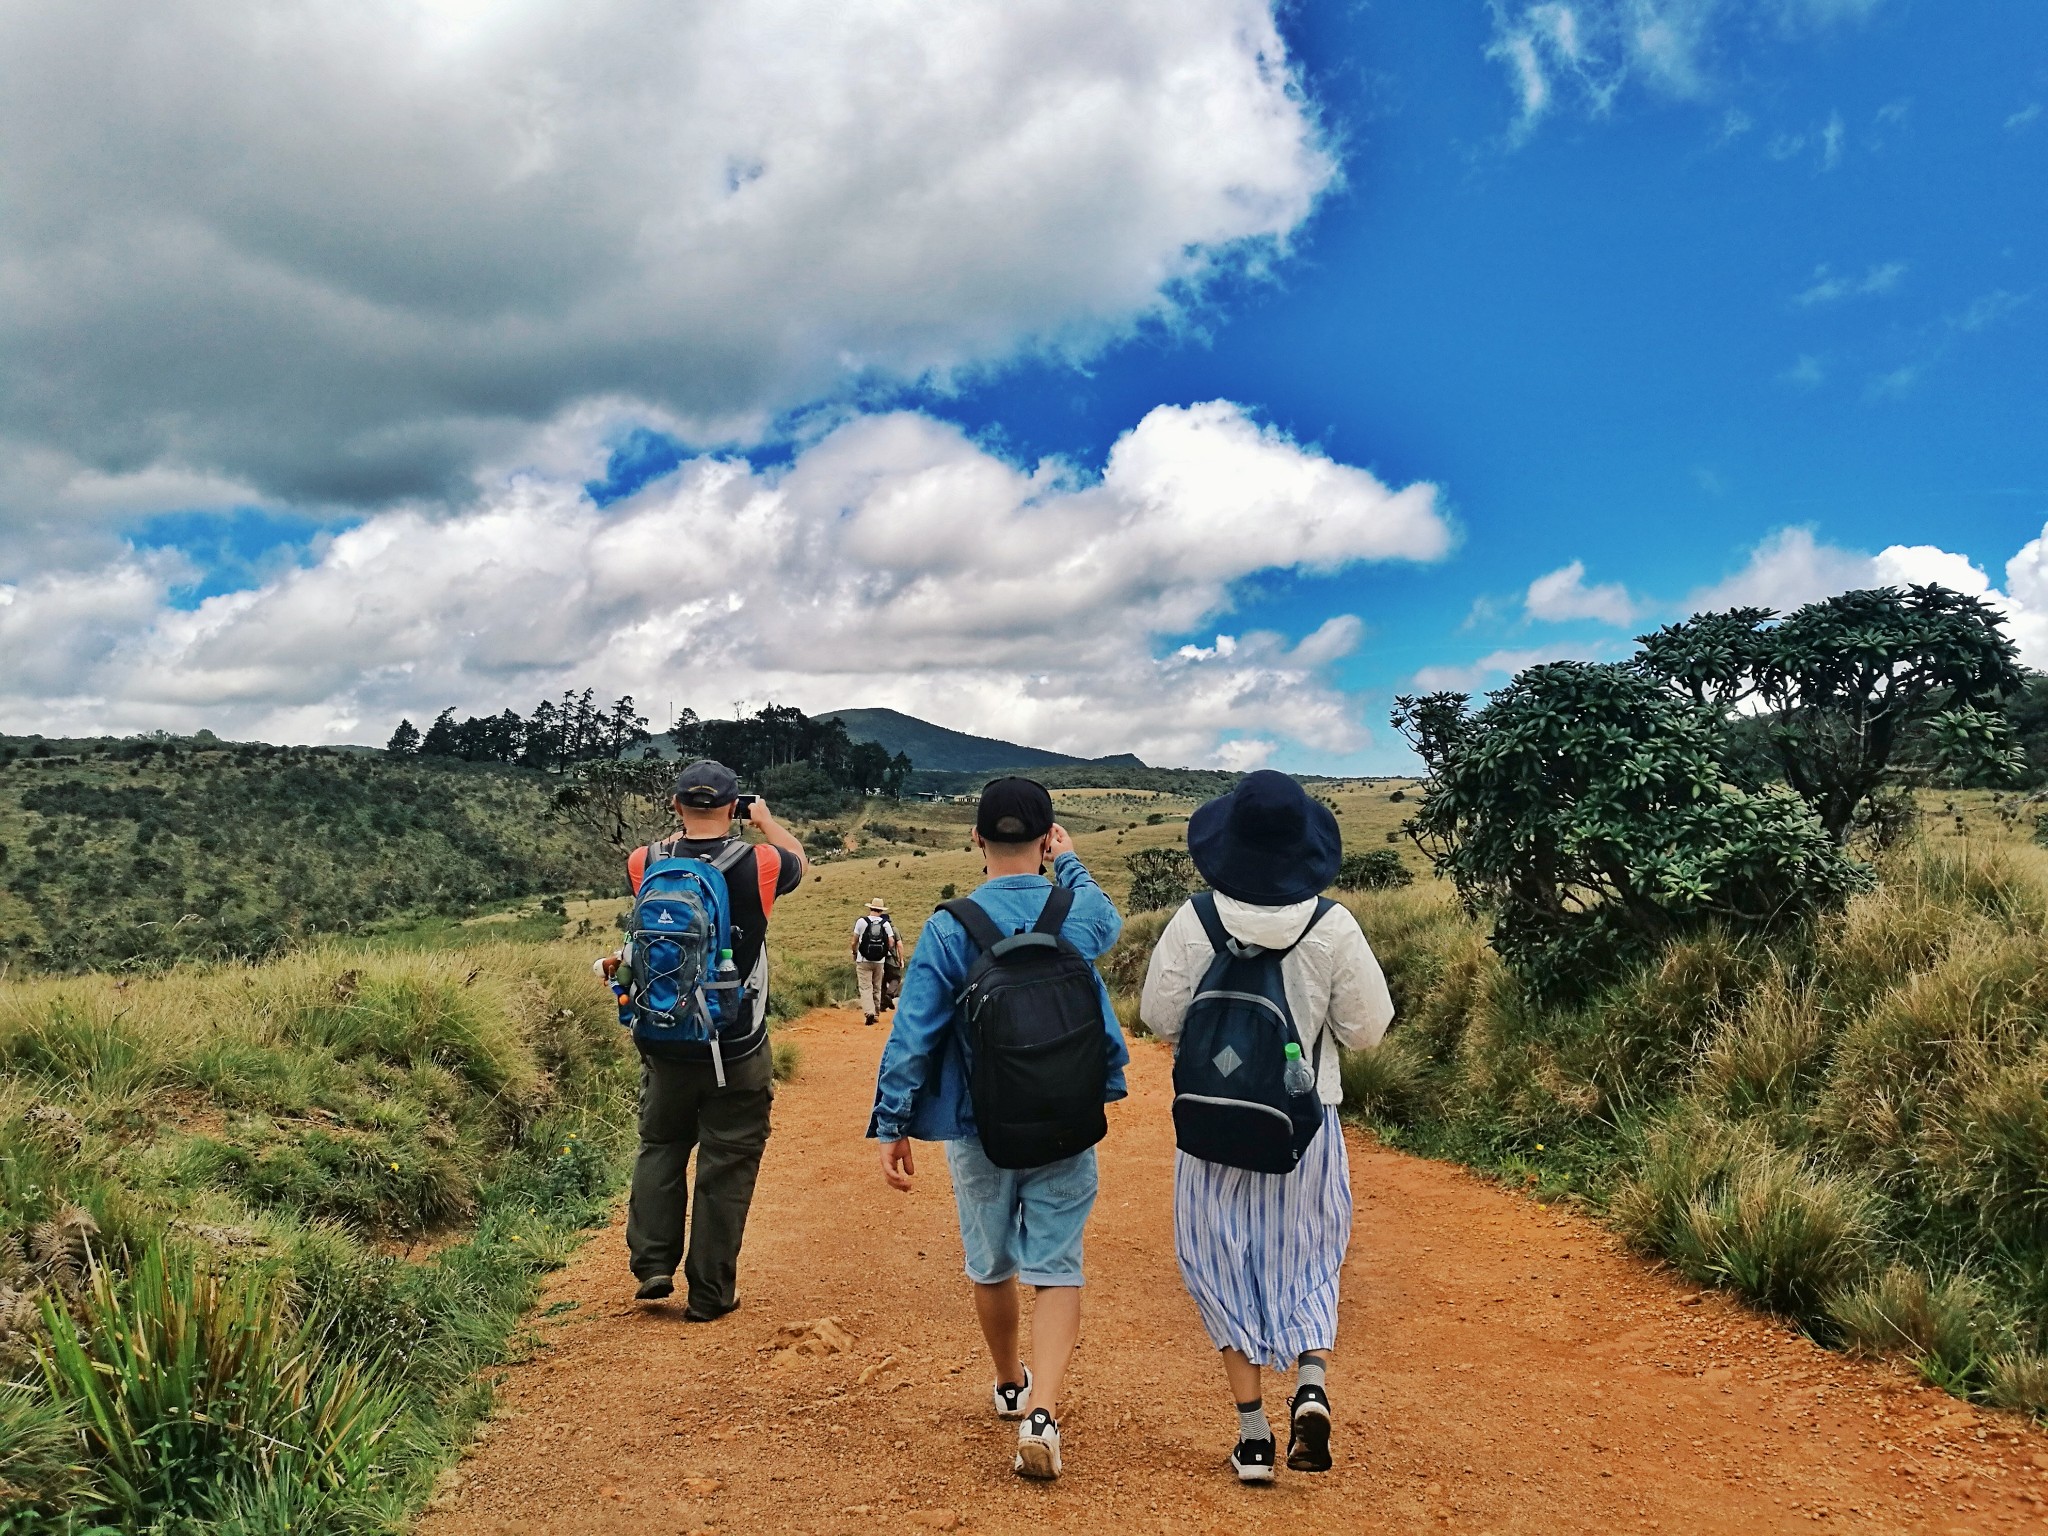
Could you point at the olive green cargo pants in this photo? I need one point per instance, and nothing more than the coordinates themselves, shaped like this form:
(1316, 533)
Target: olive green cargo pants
(682, 1107)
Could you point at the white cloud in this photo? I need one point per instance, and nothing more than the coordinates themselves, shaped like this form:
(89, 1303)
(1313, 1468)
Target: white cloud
(1788, 568)
(1562, 596)
(1792, 567)
(1807, 372)
(1831, 135)
(1495, 664)
(893, 563)
(2022, 118)
(1893, 385)
(342, 252)
(1829, 287)
(1561, 54)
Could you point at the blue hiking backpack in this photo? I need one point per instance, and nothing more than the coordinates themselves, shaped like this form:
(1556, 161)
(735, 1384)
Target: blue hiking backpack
(1230, 1099)
(677, 970)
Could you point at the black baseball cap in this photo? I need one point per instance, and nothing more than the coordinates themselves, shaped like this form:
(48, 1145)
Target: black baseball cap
(706, 785)
(1014, 811)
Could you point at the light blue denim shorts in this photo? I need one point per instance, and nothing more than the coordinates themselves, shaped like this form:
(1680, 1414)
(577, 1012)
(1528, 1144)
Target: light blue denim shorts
(1025, 1222)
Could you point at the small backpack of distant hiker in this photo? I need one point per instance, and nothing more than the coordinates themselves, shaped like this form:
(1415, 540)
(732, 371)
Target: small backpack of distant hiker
(1231, 1104)
(1037, 1053)
(874, 938)
(678, 972)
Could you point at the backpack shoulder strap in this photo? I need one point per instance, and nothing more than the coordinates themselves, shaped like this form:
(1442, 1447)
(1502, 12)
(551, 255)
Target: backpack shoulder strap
(1204, 903)
(1323, 905)
(730, 854)
(982, 931)
(1057, 905)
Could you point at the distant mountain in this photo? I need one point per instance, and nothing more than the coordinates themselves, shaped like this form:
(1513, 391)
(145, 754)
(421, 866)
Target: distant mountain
(934, 749)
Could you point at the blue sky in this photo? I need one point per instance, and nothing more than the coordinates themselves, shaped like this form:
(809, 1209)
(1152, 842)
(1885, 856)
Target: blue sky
(1605, 342)
(1749, 301)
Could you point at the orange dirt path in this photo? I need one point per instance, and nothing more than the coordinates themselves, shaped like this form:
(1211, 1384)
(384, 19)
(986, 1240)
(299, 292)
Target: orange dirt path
(1501, 1367)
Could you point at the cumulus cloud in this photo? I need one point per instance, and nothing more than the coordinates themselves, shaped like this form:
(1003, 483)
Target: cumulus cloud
(1563, 595)
(1583, 54)
(894, 562)
(343, 252)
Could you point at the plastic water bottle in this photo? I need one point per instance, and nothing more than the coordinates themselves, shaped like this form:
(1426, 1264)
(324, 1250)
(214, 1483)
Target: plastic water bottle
(1297, 1077)
(727, 971)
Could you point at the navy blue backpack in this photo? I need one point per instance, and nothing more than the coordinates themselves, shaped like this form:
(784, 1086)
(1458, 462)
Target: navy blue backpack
(1230, 1098)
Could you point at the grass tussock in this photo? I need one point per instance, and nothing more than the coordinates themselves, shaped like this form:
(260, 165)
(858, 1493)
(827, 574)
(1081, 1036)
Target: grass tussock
(208, 1314)
(1848, 1126)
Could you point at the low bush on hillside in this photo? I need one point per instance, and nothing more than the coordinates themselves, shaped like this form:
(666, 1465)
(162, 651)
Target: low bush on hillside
(210, 1319)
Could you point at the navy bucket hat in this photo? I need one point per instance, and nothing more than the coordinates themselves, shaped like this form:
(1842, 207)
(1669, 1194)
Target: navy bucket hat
(1266, 842)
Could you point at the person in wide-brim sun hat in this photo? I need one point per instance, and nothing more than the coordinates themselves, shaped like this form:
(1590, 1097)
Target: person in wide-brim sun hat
(1260, 1253)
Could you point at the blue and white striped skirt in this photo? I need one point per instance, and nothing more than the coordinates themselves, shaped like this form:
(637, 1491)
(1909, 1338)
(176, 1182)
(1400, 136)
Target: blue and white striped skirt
(1261, 1252)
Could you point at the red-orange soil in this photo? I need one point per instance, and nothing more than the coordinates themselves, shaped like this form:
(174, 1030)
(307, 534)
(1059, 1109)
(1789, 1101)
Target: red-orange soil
(1501, 1367)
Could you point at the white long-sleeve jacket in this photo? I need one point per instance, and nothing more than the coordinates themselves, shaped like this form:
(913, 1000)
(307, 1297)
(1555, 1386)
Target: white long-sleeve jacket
(1333, 980)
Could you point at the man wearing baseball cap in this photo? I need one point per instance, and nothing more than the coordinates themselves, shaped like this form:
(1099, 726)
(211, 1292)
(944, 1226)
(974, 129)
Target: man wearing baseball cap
(682, 1104)
(1017, 1225)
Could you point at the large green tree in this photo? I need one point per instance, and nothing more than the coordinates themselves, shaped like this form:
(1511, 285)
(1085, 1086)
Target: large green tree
(1842, 687)
(1586, 808)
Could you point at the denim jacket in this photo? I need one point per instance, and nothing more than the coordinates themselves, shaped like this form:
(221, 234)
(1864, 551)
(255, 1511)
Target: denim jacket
(921, 1086)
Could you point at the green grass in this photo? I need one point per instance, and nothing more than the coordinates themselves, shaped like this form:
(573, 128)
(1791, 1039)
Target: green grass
(250, 1154)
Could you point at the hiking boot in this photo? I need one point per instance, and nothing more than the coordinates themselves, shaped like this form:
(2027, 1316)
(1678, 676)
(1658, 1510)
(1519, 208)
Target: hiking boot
(1252, 1461)
(869, 1021)
(656, 1288)
(1013, 1402)
(1038, 1447)
(1308, 1434)
(696, 1314)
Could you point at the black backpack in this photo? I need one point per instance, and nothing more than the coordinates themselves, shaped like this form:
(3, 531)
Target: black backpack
(874, 938)
(1038, 1057)
(1230, 1099)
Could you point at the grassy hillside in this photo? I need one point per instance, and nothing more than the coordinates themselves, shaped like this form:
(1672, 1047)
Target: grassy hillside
(136, 852)
(1849, 1128)
(262, 1227)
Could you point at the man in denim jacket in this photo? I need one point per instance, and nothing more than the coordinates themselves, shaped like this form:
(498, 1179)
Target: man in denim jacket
(1015, 1224)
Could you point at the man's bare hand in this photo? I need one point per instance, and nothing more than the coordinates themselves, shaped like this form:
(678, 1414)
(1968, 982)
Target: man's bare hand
(757, 812)
(899, 1165)
(1057, 842)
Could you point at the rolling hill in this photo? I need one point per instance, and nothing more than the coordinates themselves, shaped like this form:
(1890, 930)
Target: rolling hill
(935, 749)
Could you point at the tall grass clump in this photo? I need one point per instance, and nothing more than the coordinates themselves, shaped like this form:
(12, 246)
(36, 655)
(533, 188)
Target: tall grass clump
(216, 1183)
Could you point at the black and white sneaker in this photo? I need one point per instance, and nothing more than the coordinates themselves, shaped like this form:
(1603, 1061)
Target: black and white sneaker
(1308, 1434)
(1013, 1402)
(1253, 1461)
(1038, 1447)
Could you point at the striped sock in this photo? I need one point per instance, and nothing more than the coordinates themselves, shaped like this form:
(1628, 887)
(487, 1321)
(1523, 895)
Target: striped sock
(1314, 1369)
(1251, 1422)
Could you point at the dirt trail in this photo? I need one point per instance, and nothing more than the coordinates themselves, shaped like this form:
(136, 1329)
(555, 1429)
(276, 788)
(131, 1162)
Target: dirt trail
(1501, 1368)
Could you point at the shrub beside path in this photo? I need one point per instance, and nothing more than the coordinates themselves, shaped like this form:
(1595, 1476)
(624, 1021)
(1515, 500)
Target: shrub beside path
(1502, 1367)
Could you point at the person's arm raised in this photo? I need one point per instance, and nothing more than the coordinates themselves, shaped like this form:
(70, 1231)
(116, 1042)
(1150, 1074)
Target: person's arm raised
(774, 831)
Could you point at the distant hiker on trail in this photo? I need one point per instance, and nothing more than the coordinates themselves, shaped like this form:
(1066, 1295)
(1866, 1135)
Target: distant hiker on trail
(692, 982)
(1259, 979)
(875, 944)
(1005, 1048)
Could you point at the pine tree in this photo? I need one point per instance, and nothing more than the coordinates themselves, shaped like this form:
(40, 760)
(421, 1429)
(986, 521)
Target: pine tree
(405, 741)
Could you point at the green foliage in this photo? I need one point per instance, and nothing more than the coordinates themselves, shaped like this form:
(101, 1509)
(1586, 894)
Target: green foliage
(194, 1393)
(1378, 870)
(1846, 682)
(254, 1351)
(802, 789)
(779, 736)
(1585, 808)
(1160, 878)
(225, 856)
